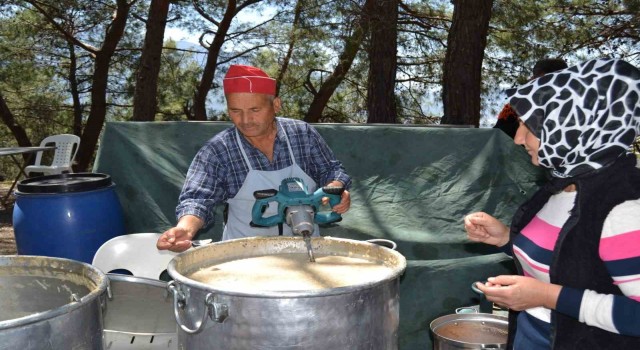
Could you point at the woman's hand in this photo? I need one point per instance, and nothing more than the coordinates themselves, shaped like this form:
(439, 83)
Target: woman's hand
(482, 227)
(519, 292)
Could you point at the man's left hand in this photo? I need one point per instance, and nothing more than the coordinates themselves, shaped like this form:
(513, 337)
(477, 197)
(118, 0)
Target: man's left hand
(345, 199)
(345, 203)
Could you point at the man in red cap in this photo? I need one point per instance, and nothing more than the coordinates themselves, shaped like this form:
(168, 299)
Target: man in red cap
(257, 153)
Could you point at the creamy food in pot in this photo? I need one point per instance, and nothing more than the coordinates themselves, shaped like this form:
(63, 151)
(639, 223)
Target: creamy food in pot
(291, 272)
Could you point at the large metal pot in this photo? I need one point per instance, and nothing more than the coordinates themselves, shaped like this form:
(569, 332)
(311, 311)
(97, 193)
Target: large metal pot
(469, 331)
(363, 316)
(50, 303)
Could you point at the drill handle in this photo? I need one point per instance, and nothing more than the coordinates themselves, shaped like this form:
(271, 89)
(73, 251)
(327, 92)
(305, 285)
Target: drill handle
(263, 198)
(261, 194)
(333, 190)
(334, 193)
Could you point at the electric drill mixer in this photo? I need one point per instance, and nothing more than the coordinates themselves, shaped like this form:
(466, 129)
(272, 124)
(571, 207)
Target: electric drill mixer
(296, 207)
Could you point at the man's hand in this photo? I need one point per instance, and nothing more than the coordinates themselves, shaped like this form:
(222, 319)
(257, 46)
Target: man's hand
(345, 203)
(174, 239)
(178, 239)
(345, 199)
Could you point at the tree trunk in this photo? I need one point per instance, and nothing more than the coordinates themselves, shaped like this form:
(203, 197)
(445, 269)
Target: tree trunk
(200, 96)
(96, 119)
(75, 93)
(16, 129)
(292, 42)
(462, 69)
(383, 52)
(145, 101)
(352, 46)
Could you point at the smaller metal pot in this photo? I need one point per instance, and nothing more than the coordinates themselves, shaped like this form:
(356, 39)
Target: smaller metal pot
(469, 331)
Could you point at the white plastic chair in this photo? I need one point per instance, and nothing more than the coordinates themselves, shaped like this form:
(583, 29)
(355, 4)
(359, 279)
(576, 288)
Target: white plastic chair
(65, 152)
(136, 253)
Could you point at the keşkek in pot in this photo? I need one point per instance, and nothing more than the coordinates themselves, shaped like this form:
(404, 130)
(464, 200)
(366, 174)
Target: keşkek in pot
(303, 305)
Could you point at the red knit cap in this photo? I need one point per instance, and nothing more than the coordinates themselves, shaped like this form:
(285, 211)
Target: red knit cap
(241, 78)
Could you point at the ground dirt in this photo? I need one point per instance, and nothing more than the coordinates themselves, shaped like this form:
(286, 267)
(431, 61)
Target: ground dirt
(7, 240)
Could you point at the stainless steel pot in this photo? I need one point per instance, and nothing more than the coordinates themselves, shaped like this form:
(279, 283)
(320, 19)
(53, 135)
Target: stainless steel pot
(50, 303)
(363, 316)
(139, 315)
(469, 331)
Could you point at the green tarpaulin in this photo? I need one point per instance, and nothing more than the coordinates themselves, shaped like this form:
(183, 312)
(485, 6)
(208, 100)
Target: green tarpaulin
(412, 185)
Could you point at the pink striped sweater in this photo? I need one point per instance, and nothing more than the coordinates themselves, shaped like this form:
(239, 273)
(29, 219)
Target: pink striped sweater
(619, 249)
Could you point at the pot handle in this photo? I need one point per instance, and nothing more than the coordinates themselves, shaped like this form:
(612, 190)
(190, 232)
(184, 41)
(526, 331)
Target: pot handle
(217, 312)
(485, 306)
(476, 289)
(467, 310)
(105, 297)
(200, 242)
(384, 243)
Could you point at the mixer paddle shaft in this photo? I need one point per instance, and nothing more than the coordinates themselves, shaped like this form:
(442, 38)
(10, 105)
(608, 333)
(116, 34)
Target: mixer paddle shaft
(307, 241)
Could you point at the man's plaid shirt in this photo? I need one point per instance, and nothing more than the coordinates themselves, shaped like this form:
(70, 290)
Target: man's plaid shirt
(218, 169)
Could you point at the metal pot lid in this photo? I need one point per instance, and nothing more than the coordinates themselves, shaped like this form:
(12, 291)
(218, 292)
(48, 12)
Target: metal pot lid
(65, 183)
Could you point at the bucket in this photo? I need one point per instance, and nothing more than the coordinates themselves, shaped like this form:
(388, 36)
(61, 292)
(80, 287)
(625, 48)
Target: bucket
(50, 303)
(469, 331)
(66, 215)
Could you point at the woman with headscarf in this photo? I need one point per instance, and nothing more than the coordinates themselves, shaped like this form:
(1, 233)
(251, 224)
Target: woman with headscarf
(576, 241)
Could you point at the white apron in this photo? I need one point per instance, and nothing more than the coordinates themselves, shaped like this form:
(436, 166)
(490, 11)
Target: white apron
(240, 206)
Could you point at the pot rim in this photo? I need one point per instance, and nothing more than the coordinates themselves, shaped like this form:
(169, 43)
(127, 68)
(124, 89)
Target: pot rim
(183, 280)
(89, 271)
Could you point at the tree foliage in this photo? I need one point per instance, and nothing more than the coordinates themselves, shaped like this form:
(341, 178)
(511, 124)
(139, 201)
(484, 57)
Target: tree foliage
(70, 65)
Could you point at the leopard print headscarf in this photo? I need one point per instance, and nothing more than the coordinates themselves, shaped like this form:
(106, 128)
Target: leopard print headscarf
(585, 116)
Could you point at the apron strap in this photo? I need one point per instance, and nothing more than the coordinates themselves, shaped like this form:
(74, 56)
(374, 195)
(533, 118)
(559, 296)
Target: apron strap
(244, 154)
(286, 137)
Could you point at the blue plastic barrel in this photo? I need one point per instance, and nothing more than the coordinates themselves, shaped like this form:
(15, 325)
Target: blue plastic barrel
(67, 215)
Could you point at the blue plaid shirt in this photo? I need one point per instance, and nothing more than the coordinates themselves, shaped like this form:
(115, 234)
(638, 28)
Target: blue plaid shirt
(218, 170)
